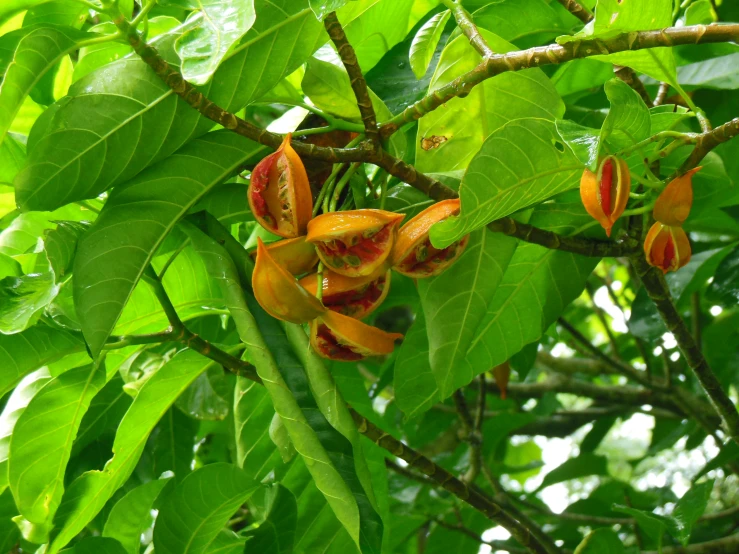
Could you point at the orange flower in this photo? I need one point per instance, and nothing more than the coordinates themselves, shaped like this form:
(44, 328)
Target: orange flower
(355, 242)
(673, 205)
(414, 255)
(279, 194)
(605, 194)
(667, 247)
(297, 256)
(279, 293)
(353, 296)
(339, 337)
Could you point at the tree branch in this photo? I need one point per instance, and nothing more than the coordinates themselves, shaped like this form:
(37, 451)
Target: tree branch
(726, 545)
(578, 10)
(628, 76)
(557, 54)
(359, 85)
(709, 140)
(468, 27)
(495, 545)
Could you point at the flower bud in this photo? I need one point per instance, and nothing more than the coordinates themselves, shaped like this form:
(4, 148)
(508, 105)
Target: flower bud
(279, 194)
(605, 194)
(297, 256)
(356, 242)
(279, 293)
(339, 337)
(673, 204)
(414, 256)
(352, 296)
(667, 247)
(502, 374)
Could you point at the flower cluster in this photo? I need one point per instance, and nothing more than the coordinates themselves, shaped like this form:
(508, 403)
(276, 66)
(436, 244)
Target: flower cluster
(606, 192)
(358, 249)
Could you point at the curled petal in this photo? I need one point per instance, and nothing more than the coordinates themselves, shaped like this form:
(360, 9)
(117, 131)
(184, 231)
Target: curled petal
(666, 247)
(353, 296)
(673, 204)
(605, 193)
(279, 194)
(279, 293)
(339, 337)
(414, 255)
(356, 242)
(297, 256)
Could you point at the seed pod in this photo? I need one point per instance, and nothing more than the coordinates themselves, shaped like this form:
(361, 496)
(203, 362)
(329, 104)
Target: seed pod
(414, 254)
(339, 337)
(606, 193)
(356, 242)
(352, 296)
(297, 256)
(502, 374)
(279, 293)
(673, 204)
(666, 247)
(279, 194)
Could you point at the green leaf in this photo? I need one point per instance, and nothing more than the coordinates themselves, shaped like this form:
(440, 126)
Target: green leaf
(22, 353)
(461, 125)
(279, 436)
(22, 300)
(585, 464)
(87, 494)
(104, 414)
(584, 141)
(131, 515)
(276, 534)
(700, 13)
(60, 245)
(717, 73)
(80, 149)
(9, 533)
(520, 164)
(9, 7)
(581, 76)
(219, 25)
(25, 56)
(97, 545)
(201, 401)
(334, 460)
(253, 413)
(42, 442)
(136, 219)
(652, 524)
(456, 302)
(688, 509)
(600, 541)
(71, 13)
(525, 22)
(172, 444)
(424, 43)
(12, 158)
(414, 382)
(228, 203)
(14, 407)
(195, 512)
(324, 7)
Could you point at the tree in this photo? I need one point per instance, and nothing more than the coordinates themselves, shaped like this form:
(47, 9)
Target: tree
(566, 378)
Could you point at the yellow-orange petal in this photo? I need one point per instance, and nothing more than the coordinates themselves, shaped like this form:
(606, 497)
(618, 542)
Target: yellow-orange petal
(352, 296)
(414, 255)
(356, 242)
(279, 293)
(339, 337)
(606, 193)
(279, 193)
(297, 256)
(667, 247)
(673, 204)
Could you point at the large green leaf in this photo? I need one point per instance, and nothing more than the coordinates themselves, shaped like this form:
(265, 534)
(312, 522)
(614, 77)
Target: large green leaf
(688, 509)
(461, 125)
(218, 26)
(332, 458)
(96, 545)
(14, 407)
(122, 118)
(171, 445)
(574, 468)
(131, 515)
(9, 533)
(42, 442)
(717, 73)
(276, 534)
(12, 158)
(425, 42)
(87, 494)
(112, 256)
(652, 524)
(22, 353)
(525, 22)
(60, 245)
(23, 298)
(600, 541)
(323, 7)
(520, 164)
(25, 55)
(253, 413)
(414, 382)
(104, 414)
(456, 302)
(191, 517)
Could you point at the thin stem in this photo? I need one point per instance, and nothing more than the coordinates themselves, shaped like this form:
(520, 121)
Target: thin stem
(143, 13)
(172, 258)
(342, 184)
(686, 138)
(359, 85)
(664, 88)
(87, 206)
(469, 29)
